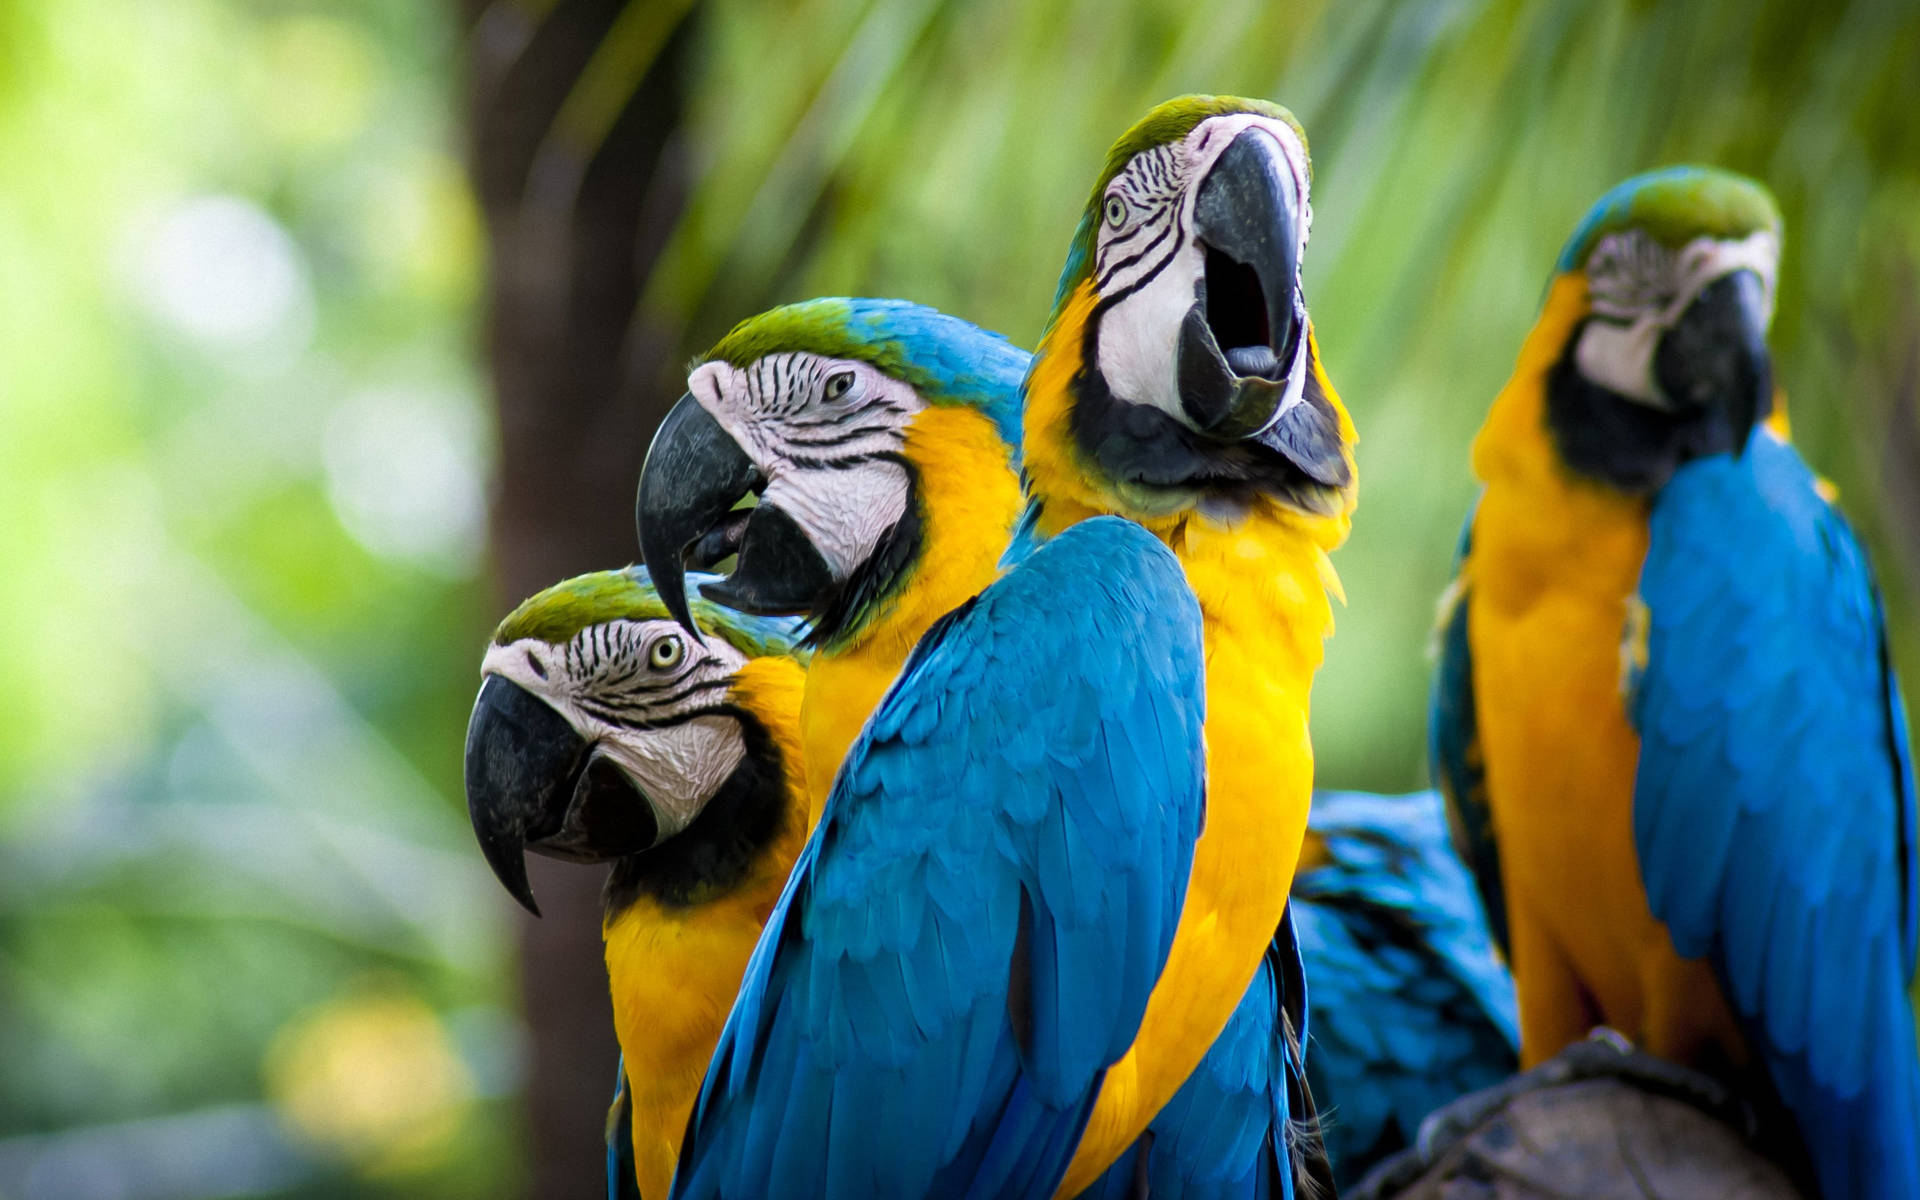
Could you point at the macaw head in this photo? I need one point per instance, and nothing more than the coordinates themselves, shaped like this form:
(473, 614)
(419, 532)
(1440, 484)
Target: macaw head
(1665, 291)
(603, 731)
(815, 408)
(1179, 368)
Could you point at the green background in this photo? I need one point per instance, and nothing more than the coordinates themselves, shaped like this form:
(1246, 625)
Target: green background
(246, 442)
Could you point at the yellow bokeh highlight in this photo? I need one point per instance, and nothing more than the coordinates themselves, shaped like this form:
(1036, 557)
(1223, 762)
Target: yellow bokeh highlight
(371, 1078)
(420, 229)
(319, 76)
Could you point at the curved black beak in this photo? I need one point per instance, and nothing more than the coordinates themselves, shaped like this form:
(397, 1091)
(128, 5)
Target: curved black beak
(693, 477)
(1242, 370)
(1243, 333)
(533, 783)
(1714, 362)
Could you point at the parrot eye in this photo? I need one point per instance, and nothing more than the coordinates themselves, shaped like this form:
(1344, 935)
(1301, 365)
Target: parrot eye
(1116, 211)
(667, 653)
(839, 384)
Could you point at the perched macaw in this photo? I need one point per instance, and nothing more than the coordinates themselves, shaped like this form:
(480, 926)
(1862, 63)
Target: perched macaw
(1228, 1125)
(603, 733)
(1412, 1008)
(1178, 385)
(879, 436)
(970, 936)
(1665, 715)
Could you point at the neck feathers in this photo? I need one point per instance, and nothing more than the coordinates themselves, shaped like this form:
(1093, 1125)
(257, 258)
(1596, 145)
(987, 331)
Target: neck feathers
(967, 499)
(675, 965)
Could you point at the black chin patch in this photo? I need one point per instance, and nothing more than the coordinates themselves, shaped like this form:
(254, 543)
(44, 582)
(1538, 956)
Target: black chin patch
(1633, 446)
(780, 572)
(1308, 435)
(1140, 445)
(726, 839)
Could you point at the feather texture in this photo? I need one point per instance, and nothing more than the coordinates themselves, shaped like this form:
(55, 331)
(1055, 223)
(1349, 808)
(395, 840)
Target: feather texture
(1412, 1008)
(1774, 805)
(1454, 756)
(969, 938)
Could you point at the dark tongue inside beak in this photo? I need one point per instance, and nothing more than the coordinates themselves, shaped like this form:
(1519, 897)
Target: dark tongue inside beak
(1243, 332)
(1254, 360)
(780, 573)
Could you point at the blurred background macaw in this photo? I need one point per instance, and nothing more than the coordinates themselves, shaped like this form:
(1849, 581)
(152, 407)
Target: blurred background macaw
(1666, 718)
(331, 330)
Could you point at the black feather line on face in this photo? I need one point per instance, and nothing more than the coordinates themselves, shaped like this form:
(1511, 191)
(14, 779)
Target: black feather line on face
(1605, 436)
(1140, 445)
(848, 608)
(713, 854)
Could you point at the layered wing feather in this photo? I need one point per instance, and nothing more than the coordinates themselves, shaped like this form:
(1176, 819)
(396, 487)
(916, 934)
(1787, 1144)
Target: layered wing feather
(970, 936)
(623, 1180)
(1453, 745)
(1774, 804)
(1227, 1134)
(1412, 1008)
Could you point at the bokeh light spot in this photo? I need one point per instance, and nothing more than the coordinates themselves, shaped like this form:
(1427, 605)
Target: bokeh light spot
(372, 1078)
(405, 472)
(222, 272)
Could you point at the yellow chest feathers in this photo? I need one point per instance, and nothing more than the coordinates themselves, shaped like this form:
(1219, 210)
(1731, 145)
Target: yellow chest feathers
(1262, 578)
(674, 969)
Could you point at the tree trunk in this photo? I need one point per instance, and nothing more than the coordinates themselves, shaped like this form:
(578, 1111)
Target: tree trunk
(578, 192)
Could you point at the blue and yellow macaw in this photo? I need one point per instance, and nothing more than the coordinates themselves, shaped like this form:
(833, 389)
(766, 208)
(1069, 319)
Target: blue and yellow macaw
(683, 916)
(1666, 715)
(603, 733)
(1412, 1008)
(969, 938)
(1228, 1124)
(1178, 385)
(1229, 446)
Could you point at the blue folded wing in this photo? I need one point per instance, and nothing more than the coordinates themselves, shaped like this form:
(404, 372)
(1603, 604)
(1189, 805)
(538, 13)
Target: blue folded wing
(1774, 805)
(1453, 746)
(1226, 1134)
(623, 1181)
(1412, 1008)
(969, 938)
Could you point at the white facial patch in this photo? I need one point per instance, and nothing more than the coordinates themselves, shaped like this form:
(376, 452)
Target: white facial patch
(844, 512)
(826, 434)
(1152, 251)
(1639, 289)
(679, 767)
(612, 683)
(1139, 335)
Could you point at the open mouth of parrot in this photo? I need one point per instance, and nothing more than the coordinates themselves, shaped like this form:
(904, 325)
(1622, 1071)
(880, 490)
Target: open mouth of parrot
(1239, 362)
(1235, 308)
(694, 476)
(533, 783)
(723, 541)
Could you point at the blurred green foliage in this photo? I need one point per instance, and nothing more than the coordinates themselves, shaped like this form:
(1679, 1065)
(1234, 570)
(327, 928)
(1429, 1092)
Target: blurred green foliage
(942, 151)
(243, 453)
(243, 442)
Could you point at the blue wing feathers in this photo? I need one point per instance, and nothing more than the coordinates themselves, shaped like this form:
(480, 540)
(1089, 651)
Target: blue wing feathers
(1411, 1007)
(1017, 754)
(1223, 1135)
(1774, 804)
(623, 1180)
